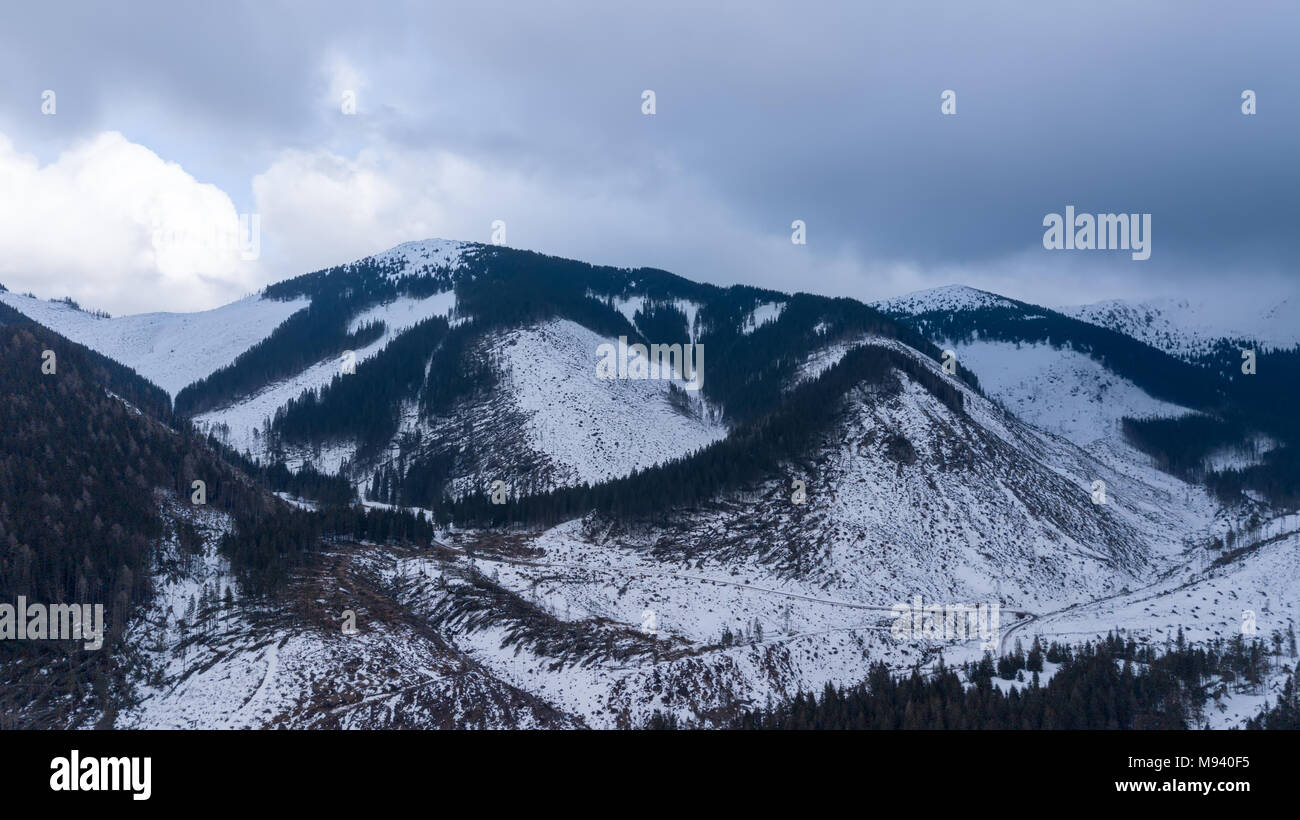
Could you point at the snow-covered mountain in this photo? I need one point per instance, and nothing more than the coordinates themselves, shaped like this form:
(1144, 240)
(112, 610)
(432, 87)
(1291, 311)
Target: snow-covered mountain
(1082, 377)
(1185, 327)
(607, 621)
(658, 548)
(1190, 328)
(1059, 390)
(171, 350)
(905, 496)
(944, 298)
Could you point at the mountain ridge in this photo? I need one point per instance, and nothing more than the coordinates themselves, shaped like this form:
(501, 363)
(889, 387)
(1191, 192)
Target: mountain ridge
(571, 551)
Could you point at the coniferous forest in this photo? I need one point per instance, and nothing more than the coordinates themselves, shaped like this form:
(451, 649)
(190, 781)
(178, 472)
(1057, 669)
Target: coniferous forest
(543, 368)
(1233, 407)
(84, 451)
(1113, 684)
(751, 453)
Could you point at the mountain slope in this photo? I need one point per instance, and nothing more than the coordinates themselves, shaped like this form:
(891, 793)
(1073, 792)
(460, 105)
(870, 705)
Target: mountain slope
(81, 467)
(657, 548)
(171, 350)
(1192, 329)
(906, 495)
(1191, 416)
(221, 612)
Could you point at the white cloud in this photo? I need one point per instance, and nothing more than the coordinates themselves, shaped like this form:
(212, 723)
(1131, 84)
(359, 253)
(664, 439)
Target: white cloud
(116, 227)
(321, 209)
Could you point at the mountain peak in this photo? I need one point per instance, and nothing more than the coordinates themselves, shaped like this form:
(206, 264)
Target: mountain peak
(418, 255)
(945, 298)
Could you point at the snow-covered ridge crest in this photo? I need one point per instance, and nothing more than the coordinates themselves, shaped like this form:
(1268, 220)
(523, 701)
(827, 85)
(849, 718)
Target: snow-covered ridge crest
(1189, 328)
(171, 350)
(946, 298)
(424, 256)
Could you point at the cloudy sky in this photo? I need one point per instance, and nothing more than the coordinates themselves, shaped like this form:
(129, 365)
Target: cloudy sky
(171, 120)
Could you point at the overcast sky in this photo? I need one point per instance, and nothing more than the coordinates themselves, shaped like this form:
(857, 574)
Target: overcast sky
(173, 118)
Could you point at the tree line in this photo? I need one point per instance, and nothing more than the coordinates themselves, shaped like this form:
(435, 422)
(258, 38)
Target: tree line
(1111, 684)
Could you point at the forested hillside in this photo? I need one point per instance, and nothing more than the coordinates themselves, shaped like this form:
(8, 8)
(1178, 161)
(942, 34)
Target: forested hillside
(435, 368)
(82, 467)
(1109, 685)
(1235, 406)
(755, 450)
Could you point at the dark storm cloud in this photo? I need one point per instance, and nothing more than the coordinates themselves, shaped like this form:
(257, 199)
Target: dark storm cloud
(827, 112)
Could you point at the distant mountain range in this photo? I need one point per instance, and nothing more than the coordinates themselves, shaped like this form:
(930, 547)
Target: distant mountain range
(1193, 329)
(423, 442)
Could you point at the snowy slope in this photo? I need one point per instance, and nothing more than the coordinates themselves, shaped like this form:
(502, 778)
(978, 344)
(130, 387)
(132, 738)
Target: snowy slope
(1187, 328)
(237, 423)
(1252, 591)
(548, 421)
(287, 663)
(171, 350)
(946, 298)
(990, 511)
(595, 429)
(1203, 598)
(1060, 391)
(425, 256)
(1069, 395)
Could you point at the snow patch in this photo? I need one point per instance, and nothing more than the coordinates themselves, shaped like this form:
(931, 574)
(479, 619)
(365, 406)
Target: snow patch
(1188, 328)
(596, 429)
(241, 425)
(761, 315)
(172, 350)
(946, 298)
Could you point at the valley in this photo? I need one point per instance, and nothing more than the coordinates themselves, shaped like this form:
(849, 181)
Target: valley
(651, 556)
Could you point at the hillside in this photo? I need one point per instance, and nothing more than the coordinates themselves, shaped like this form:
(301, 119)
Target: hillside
(171, 350)
(1192, 329)
(686, 547)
